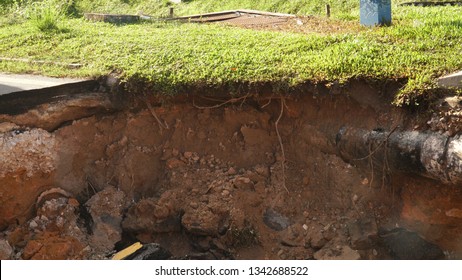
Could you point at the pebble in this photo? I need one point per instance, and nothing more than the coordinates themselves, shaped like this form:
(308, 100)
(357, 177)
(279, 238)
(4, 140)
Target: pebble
(194, 205)
(6, 251)
(73, 202)
(225, 193)
(188, 155)
(33, 224)
(232, 171)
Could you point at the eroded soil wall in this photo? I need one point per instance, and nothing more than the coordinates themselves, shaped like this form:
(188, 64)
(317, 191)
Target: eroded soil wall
(221, 177)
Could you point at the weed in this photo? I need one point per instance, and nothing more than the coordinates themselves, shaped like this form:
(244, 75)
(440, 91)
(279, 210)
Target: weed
(46, 15)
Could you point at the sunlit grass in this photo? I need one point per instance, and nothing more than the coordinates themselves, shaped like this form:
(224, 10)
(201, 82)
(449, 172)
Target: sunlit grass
(422, 44)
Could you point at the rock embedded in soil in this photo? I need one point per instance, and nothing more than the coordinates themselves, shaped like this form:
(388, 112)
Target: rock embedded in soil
(407, 245)
(49, 246)
(202, 221)
(316, 237)
(275, 220)
(337, 253)
(6, 251)
(243, 183)
(106, 209)
(363, 233)
(293, 236)
(153, 216)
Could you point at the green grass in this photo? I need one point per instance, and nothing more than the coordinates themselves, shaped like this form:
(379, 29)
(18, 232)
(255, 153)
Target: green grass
(422, 44)
(346, 9)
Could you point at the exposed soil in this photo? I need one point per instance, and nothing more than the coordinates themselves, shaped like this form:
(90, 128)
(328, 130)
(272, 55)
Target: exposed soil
(255, 178)
(306, 25)
(298, 24)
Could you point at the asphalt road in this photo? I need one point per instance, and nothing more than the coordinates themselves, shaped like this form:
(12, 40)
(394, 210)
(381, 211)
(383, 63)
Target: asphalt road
(17, 83)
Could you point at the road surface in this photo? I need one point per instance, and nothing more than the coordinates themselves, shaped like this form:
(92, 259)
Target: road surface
(16, 83)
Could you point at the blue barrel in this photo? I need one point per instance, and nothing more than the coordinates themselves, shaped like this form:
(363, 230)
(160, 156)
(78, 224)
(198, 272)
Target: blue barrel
(375, 12)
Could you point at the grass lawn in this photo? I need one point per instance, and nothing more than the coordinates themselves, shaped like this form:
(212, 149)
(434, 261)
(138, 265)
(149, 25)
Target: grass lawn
(422, 44)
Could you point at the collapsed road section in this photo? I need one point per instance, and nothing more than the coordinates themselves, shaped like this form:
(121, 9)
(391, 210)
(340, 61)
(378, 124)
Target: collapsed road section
(324, 173)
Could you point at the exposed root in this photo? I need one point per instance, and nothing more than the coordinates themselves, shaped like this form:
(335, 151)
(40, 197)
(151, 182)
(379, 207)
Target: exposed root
(386, 167)
(283, 162)
(268, 103)
(242, 99)
(371, 163)
(371, 153)
(163, 125)
(232, 100)
(90, 184)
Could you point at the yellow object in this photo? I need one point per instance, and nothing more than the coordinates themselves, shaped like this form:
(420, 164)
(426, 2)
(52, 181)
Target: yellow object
(127, 251)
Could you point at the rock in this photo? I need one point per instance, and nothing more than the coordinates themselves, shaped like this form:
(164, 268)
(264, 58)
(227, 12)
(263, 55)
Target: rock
(243, 183)
(255, 177)
(293, 236)
(31, 249)
(454, 213)
(317, 240)
(407, 245)
(262, 170)
(174, 163)
(314, 234)
(202, 221)
(73, 202)
(337, 253)
(275, 220)
(6, 252)
(33, 224)
(231, 171)
(363, 233)
(106, 209)
(153, 216)
(50, 246)
(151, 251)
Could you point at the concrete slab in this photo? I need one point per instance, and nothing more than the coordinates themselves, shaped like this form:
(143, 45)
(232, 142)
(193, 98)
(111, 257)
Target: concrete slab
(238, 17)
(451, 81)
(16, 83)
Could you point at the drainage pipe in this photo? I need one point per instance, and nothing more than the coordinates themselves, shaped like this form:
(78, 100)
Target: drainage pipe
(428, 154)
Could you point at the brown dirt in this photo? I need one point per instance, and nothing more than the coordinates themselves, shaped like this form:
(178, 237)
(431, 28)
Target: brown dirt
(208, 182)
(306, 25)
